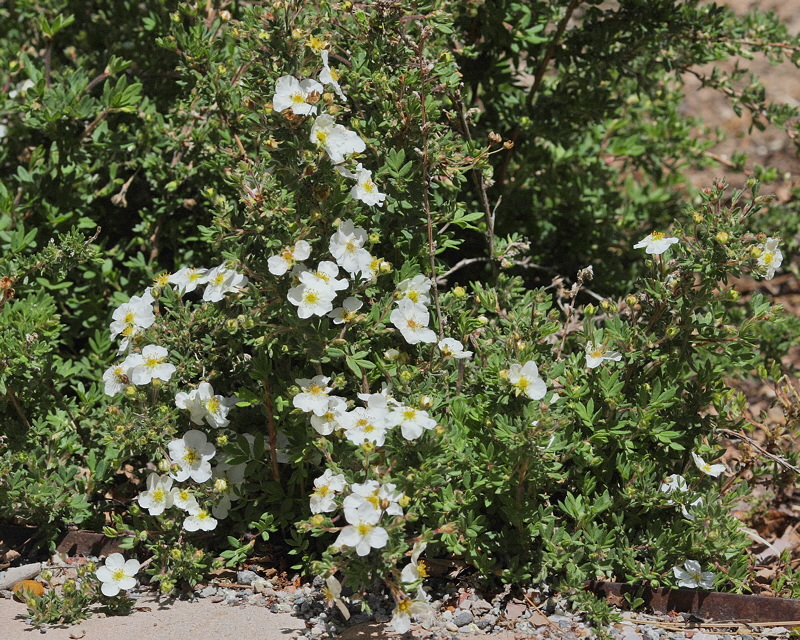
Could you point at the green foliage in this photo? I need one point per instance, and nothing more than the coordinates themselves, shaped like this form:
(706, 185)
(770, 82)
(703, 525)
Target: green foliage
(144, 138)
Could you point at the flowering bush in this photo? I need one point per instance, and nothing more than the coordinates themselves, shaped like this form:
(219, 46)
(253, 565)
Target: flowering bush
(329, 381)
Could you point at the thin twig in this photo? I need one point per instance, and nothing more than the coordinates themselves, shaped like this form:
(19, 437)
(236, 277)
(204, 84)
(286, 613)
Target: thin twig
(426, 180)
(778, 459)
(273, 434)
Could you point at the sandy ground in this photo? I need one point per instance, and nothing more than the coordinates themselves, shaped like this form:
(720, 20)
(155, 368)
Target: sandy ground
(177, 620)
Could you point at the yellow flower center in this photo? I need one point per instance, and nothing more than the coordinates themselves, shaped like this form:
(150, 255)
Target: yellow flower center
(118, 574)
(212, 405)
(413, 295)
(404, 607)
(322, 136)
(363, 528)
(323, 491)
(522, 384)
(409, 414)
(152, 361)
(368, 185)
(351, 246)
(413, 325)
(768, 257)
(657, 235)
(130, 317)
(162, 280)
(373, 500)
(202, 515)
(191, 457)
(310, 297)
(598, 352)
(218, 280)
(193, 275)
(298, 98)
(422, 569)
(158, 495)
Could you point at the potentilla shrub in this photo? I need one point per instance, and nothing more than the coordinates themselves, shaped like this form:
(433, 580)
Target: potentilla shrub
(324, 373)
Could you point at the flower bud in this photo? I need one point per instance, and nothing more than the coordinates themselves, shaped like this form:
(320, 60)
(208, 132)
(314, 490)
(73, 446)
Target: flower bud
(221, 485)
(47, 575)
(483, 319)
(723, 237)
(732, 295)
(142, 535)
(374, 237)
(385, 266)
(367, 447)
(404, 501)
(406, 375)
(164, 465)
(439, 429)
(460, 292)
(425, 402)
(755, 252)
(391, 354)
(697, 217)
(630, 300)
(607, 306)
(134, 510)
(166, 586)
(589, 310)
(130, 391)
(317, 520)
(503, 374)
(175, 553)
(221, 440)
(672, 332)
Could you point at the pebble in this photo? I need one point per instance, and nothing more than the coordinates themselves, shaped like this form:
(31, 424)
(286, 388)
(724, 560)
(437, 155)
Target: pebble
(246, 576)
(209, 591)
(463, 618)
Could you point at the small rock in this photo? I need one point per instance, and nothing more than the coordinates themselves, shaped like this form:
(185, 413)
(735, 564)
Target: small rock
(246, 576)
(650, 633)
(262, 586)
(451, 627)
(515, 609)
(705, 636)
(209, 591)
(775, 631)
(630, 634)
(217, 599)
(15, 574)
(479, 607)
(463, 618)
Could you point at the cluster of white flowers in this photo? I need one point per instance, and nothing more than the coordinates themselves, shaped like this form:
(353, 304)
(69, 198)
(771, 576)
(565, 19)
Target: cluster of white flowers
(191, 457)
(131, 318)
(337, 141)
(203, 404)
(411, 316)
(315, 290)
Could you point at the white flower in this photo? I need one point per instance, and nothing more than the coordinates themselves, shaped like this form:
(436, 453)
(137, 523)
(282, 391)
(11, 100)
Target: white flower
(330, 76)
(363, 534)
(183, 498)
(312, 297)
(117, 574)
(371, 496)
(328, 422)
(656, 243)
(406, 608)
(595, 354)
(415, 289)
(158, 495)
(228, 478)
(347, 248)
(325, 489)
(291, 93)
(132, 316)
(674, 483)
(770, 258)
(365, 425)
(453, 349)
(337, 140)
(412, 321)
(192, 453)
(116, 379)
(416, 569)
(220, 281)
(204, 405)
(413, 421)
(187, 279)
(347, 312)
(685, 510)
(691, 577)
(313, 397)
(148, 365)
(199, 519)
(709, 469)
(328, 271)
(525, 380)
(332, 592)
(285, 260)
(365, 189)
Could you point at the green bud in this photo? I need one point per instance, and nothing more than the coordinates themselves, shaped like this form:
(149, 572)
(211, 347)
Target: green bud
(460, 292)
(672, 332)
(589, 310)
(723, 237)
(222, 440)
(406, 375)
